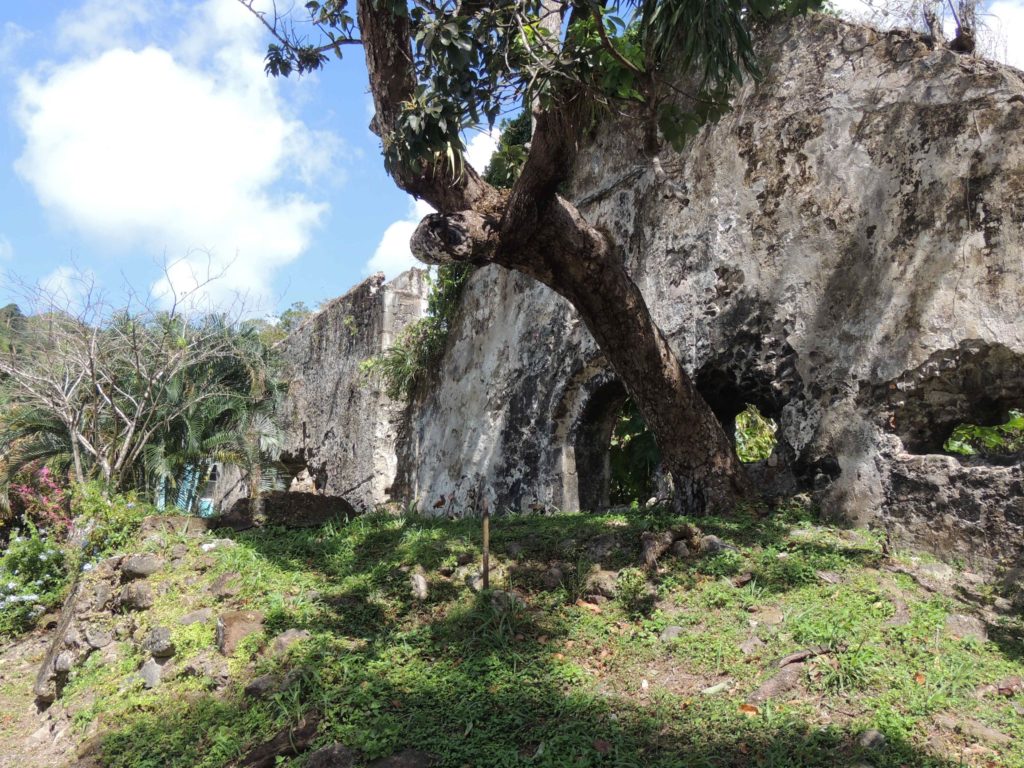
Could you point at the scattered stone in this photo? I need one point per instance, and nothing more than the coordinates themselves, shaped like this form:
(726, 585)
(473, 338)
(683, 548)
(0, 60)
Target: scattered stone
(871, 739)
(64, 662)
(234, 626)
(671, 633)
(513, 549)
(939, 572)
(204, 563)
(446, 571)
(464, 558)
(787, 678)
(600, 548)
(135, 596)
(770, 617)
(202, 615)
(209, 546)
(151, 673)
(712, 545)
(158, 642)
(743, 579)
(973, 729)
(206, 664)
(286, 743)
(97, 637)
(552, 578)
(101, 596)
(280, 644)
(1010, 686)
(179, 551)
(829, 577)
(596, 599)
(334, 756)
(602, 582)
(680, 550)
(226, 585)
(721, 687)
(961, 626)
(654, 545)
(751, 645)
(408, 758)
(141, 566)
(263, 685)
(1002, 605)
(506, 601)
(418, 584)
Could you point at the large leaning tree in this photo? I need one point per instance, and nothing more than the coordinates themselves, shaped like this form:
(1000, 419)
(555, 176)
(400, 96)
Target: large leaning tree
(439, 68)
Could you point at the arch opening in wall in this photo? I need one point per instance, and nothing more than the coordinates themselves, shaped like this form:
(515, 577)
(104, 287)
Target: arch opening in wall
(615, 455)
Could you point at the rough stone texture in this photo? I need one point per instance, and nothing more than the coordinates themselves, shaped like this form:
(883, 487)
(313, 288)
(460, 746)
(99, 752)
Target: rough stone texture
(340, 426)
(234, 626)
(291, 509)
(140, 566)
(158, 642)
(842, 250)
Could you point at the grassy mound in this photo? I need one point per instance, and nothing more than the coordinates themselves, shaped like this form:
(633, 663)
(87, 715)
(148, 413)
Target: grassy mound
(680, 668)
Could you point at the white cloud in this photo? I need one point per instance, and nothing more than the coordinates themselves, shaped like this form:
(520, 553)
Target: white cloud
(99, 25)
(6, 249)
(12, 37)
(179, 151)
(392, 256)
(480, 148)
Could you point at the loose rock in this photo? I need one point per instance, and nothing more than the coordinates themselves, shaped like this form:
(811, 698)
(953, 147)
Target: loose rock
(202, 615)
(418, 584)
(158, 643)
(140, 566)
(671, 633)
(234, 626)
(603, 582)
(135, 596)
(961, 626)
(334, 756)
(226, 585)
(280, 644)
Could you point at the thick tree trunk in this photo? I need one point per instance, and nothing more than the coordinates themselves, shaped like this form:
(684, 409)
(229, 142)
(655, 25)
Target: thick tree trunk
(533, 231)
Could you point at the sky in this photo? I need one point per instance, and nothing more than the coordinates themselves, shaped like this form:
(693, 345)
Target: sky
(142, 147)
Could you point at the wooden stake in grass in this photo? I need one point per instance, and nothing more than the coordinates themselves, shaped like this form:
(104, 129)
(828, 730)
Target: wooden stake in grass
(487, 544)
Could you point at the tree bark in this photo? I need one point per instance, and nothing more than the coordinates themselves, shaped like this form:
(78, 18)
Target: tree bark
(534, 231)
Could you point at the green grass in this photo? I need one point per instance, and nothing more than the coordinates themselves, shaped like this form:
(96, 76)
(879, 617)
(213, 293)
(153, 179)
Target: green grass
(552, 683)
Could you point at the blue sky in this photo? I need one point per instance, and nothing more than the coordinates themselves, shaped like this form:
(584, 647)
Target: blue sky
(139, 136)
(143, 134)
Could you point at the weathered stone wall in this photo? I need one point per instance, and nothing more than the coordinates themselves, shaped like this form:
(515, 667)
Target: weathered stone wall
(843, 250)
(339, 423)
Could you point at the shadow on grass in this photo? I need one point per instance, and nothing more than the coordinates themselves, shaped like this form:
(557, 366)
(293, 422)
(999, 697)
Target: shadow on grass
(479, 684)
(482, 687)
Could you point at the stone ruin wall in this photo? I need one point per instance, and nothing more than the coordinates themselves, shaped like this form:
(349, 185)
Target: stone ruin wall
(843, 250)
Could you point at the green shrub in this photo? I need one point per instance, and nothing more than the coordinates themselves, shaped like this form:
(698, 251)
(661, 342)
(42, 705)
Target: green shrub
(755, 435)
(633, 592)
(33, 574)
(406, 365)
(109, 521)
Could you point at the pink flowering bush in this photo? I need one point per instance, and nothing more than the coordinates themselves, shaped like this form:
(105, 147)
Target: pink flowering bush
(45, 502)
